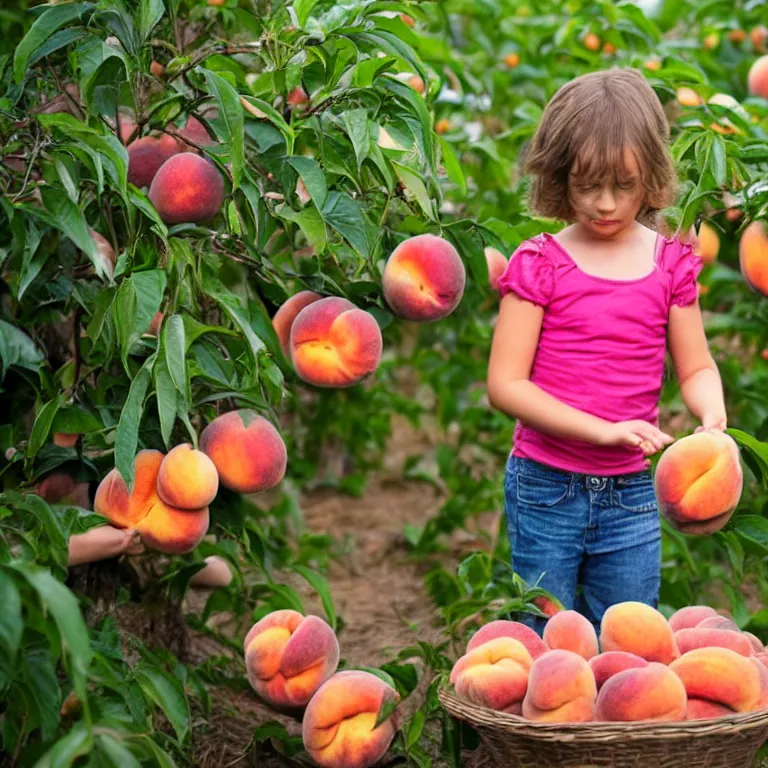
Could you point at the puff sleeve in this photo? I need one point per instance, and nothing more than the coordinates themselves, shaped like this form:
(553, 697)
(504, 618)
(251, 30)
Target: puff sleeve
(684, 271)
(530, 274)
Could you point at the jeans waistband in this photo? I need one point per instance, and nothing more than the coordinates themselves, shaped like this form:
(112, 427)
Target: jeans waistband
(533, 468)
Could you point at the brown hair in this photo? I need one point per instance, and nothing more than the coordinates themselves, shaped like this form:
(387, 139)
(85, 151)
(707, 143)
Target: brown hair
(588, 123)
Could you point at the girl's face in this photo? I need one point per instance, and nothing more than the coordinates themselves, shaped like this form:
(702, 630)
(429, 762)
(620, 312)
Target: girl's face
(608, 207)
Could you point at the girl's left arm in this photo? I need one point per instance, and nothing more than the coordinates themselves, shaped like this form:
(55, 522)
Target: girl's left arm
(700, 384)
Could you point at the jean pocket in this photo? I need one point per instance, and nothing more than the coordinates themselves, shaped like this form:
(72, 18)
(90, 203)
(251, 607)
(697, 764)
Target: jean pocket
(636, 497)
(536, 491)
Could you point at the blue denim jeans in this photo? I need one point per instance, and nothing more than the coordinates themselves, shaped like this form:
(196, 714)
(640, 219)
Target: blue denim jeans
(590, 540)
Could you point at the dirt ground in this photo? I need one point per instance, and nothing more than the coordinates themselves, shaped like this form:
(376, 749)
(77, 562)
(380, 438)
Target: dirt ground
(376, 589)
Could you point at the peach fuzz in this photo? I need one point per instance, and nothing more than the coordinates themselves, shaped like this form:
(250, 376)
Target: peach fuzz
(718, 622)
(424, 278)
(494, 674)
(648, 693)
(701, 709)
(286, 314)
(757, 79)
(606, 665)
(762, 657)
(757, 643)
(720, 675)
(246, 449)
(640, 629)
(338, 725)
(690, 616)
(187, 188)
(187, 479)
(288, 656)
(696, 637)
(698, 482)
(561, 689)
(145, 156)
(497, 263)
(173, 531)
(335, 344)
(514, 629)
(121, 506)
(570, 631)
(753, 257)
(762, 671)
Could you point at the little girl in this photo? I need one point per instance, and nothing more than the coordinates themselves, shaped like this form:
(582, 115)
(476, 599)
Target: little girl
(578, 350)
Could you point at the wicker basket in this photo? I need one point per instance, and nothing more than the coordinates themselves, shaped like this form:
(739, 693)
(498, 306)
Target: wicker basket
(509, 741)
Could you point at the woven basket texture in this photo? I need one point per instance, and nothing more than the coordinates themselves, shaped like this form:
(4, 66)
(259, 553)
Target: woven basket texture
(509, 741)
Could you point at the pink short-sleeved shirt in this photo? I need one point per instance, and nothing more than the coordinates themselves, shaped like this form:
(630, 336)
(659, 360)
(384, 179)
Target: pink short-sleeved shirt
(602, 344)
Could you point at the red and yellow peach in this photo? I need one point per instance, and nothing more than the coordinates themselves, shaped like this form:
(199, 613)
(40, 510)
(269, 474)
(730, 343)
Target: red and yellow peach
(187, 478)
(640, 629)
(286, 314)
(653, 692)
(570, 631)
(753, 256)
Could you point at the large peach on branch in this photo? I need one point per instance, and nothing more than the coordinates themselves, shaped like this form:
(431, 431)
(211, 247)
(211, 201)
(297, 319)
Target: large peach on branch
(333, 343)
(187, 478)
(282, 322)
(246, 449)
(699, 481)
(338, 725)
(162, 527)
(424, 278)
(288, 656)
(147, 155)
(753, 257)
(187, 188)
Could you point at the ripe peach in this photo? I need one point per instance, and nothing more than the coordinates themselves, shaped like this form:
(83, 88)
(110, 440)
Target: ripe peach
(127, 508)
(145, 156)
(338, 726)
(718, 622)
(248, 451)
(105, 251)
(497, 263)
(701, 709)
(298, 97)
(66, 439)
(407, 20)
(187, 189)
(591, 41)
(335, 344)
(64, 488)
(690, 616)
(196, 132)
(759, 37)
(570, 631)
(698, 482)
(653, 64)
(424, 278)
(687, 97)
(514, 629)
(640, 629)
(757, 643)
(512, 60)
(737, 36)
(171, 530)
(720, 675)
(711, 41)
(442, 126)
(708, 243)
(548, 606)
(653, 692)
(609, 48)
(286, 314)
(156, 68)
(610, 663)
(696, 637)
(288, 656)
(753, 257)
(561, 689)
(187, 479)
(494, 674)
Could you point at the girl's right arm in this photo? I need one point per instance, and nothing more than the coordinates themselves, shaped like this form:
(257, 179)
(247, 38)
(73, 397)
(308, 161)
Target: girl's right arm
(511, 391)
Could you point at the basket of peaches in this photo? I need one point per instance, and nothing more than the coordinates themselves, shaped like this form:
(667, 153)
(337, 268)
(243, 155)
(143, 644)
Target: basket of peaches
(641, 689)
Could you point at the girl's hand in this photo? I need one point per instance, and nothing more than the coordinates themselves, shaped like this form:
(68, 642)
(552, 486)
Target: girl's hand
(132, 542)
(636, 434)
(719, 423)
(103, 542)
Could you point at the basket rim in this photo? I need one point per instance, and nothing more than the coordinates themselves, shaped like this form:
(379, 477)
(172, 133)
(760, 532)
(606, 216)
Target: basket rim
(491, 719)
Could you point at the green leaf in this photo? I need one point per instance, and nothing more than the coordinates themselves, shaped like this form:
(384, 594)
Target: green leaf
(127, 437)
(312, 176)
(356, 125)
(753, 528)
(303, 8)
(320, 584)
(231, 112)
(137, 302)
(150, 13)
(168, 694)
(44, 26)
(64, 608)
(50, 522)
(167, 400)
(413, 183)
(452, 166)
(233, 308)
(75, 420)
(347, 217)
(175, 350)
(116, 752)
(274, 117)
(67, 749)
(17, 349)
(11, 622)
(718, 160)
(309, 220)
(68, 218)
(42, 426)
